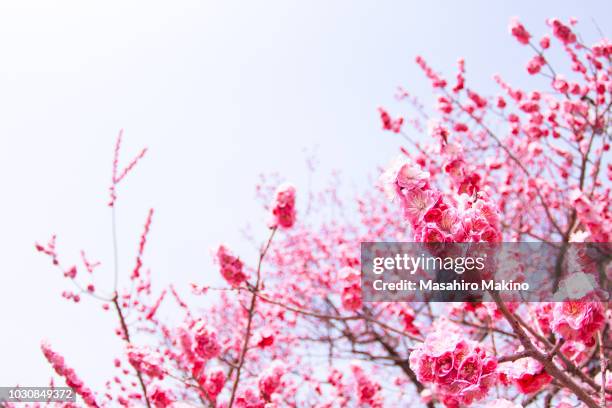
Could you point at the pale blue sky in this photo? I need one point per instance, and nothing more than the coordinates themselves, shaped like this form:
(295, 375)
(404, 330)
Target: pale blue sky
(220, 92)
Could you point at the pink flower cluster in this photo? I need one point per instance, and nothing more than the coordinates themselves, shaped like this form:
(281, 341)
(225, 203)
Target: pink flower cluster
(207, 346)
(394, 125)
(146, 361)
(368, 391)
(594, 213)
(519, 31)
(231, 267)
(162, 398)
(250, 398)
(561, 31)
(119, 175)
(436, 219)
(351, 291)
(527, 374)
(283, 208)
(436, 80)
(270, 380)
(72, 380)
(535, 64)
(214, 382)
(578, 320)
(459, 370)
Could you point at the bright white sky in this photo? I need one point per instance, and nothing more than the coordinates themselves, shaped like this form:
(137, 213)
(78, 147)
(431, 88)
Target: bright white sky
(220, 92)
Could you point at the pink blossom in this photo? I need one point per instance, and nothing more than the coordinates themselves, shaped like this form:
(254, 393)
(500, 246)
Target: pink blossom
(409, 178)
(478, 100)
(603, 48)
(417, 203)
(72, 380)
(231, 267)
(408, 320)
(561, 31)
(527, 374)
(283, 208)
(146, 361)
(270, 380)
(119, 175)
(142, 244)
(429, 232)
(367, 389)
(460, 370)
(161, 398)
(436, 80)
(578, 320)
(444, 105)
(400, 177)
(535, 64)
(71, 273)
(394, 125)
(206, 343)
(215, 380)
(351, 289)
(460, 127)
(519, 32)
(249, 398)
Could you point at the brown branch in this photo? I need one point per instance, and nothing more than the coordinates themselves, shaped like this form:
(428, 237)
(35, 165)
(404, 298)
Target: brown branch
(404, 365)
(514, 357)
(251, 314)
(336, 317)
(549, 365)
(126, 333)
(604, 367)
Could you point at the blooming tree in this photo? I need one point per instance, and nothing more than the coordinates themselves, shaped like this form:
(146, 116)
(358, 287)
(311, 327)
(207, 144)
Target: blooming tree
(292, 329)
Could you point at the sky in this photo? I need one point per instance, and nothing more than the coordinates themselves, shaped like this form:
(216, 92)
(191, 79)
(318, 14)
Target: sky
(220, 92)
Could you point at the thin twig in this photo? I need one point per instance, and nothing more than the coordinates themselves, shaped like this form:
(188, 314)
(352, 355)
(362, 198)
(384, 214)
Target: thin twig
(251, 313)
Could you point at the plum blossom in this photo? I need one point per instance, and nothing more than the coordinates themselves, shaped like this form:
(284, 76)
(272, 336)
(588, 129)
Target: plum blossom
(545, 42)
(231, 267)
(535, 64)
(351, 291)
(146, 361)
(394, 125)
(562, 32)
(401, 177)
(270, 379)
(206, 344)
(161, 398)
(578, 320)
(249, 398)
(215, 380)
(72, 379)
(519, 32)
(368, 391)
(264, 338)
(458, 369)
(527, 374)
(283, 208)
(595, 215)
